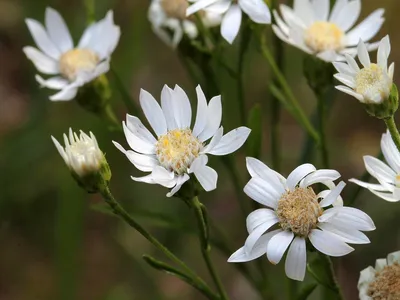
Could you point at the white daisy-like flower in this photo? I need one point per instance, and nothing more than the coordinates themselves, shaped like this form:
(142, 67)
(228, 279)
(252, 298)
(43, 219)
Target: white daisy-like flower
(372, 83)
(388, 176)
(72, 67)
(81, 153)
(300, 215)
(383, 281)
(311, 27)
(169, 16)
(178, 150)
(232, 10)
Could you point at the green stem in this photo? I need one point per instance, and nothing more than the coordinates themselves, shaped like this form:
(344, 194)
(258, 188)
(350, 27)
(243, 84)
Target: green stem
(109, 115)
(125, 95)
(297, 110)
(201, 217)
(321, 128)
(244, 45)
(394, 132)
(120, 211)
(332, 270)
(90, 11)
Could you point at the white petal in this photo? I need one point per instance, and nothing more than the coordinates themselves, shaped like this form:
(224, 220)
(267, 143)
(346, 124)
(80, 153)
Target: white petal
(214, 141)
(328, 243)
(257, 10)
(380, 264)
(201, 115)
(136, 126)
(337, 9)
(277, 246)
(231, 141)
(393, 257)
(391, 71)
(383, 52)
(319, 176)
(231, 23)
(146, 179)
(199, 5)
(55, 83)
(390, 152)
(363, 55)
(153, 112)
(42, 62)
(207, 176)
(378, 169)
(282, 27)
(61, 150)
(303, 9)
(321, 9)
(372, 186)
(344, 68)
(255, 235)
(42, 39)
(164, 177)
(348, 15)
(349, 91)
(258, 217)
(262, 192)
(296, 260)
(349, 235)
(298, 174)
(386, 196)
(58, 30)
(333, 195)
(180, 181)
(257, 168)
(137, 142)
(66, 94)
(349, 216)
(144, 163)
(346, 79)
(219, 8)
(182, 108)
(214, 116)
(167, 107)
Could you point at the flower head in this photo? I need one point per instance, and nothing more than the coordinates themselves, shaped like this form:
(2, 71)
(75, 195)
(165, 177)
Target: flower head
(372, 83)
(299, 214)
(170, 15)
(232, 10)
(72, 66)
(179, 150)
(388, 176)
(313, 28)
(383, 281)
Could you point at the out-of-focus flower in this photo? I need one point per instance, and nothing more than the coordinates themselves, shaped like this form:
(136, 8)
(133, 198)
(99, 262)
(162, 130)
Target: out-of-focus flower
(311, 27)
(170, 23)
(300, 214)
(72, 67)
(388, 177)
(179, 151)
(257, 10)
(383, 281)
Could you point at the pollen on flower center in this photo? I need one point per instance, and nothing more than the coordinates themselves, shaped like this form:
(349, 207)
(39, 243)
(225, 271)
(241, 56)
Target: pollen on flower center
(322, 36)
(175, 8)
(177, 149)
(76, 60)
(373, 81)
(298, 211)
(386, 284)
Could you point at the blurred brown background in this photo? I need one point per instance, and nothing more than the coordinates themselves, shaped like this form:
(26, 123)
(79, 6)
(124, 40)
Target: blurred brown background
(54, 246)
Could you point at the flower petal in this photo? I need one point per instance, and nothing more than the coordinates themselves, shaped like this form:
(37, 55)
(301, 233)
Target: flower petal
(201, 115)
(58, 30)
(231, 141)
(328, 243)
(153, 112)
(207, 176)
(348, 216)
(333, 195)
(214, 116)
(257, 10)
(55, 83)
(258, 217)
(390, 152)
(277, 246)
(255, 235)
(379, 170)
(298, 174)
(349, 235)
(261, 191)
(136, 126)
(348, 15)
(296, 260)
(181, 107)
(372, 186)
(319, 176)
(179, 182)
(144, 163)
(42, 62)
(66, 94)
(231, 23)
(257, 168)
(363, 55)
(199, 5)
(164, 177)
(137, 142)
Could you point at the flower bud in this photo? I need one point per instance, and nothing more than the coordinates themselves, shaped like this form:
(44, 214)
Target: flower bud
(386, 108)
(85, 160)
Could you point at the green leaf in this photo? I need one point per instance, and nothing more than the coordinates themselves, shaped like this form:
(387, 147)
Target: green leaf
(254, 141)
(306, 291)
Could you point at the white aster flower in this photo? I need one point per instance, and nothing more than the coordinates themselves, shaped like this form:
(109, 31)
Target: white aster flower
(81, 153)
(311, 27)
(387, 176)
(179, 151)
(383, 281)
(72, 67)
(169, 16)
(300, 215)
(372, 83)
(232, 10)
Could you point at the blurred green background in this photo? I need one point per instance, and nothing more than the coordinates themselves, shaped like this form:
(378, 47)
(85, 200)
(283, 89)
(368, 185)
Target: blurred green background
(53, 245)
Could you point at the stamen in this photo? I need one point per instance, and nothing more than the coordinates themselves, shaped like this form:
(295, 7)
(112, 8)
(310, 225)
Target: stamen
(386, 285)
(322, 36)
(77, 60)
(373, 82)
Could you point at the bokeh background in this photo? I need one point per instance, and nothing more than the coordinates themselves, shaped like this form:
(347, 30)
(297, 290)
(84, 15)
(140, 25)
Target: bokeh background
(54, 245)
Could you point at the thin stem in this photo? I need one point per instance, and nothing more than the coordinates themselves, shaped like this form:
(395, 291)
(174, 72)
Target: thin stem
(120, 211)
(335, 281)
(109, 115)
(321, 128)
(125, 95)
(394, 132)
(297, 110)
(90, 11)
(244, 45)
(201, 217)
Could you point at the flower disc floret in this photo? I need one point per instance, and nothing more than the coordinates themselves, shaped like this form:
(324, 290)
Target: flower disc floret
(373, 80)
(175, 8)
(386, 285)
(77, 60)
(322, 36)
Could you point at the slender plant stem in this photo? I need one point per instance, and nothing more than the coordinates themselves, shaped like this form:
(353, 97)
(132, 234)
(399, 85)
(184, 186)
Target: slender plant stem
(297, 110)
(243, 46)
(321, 128)
(394, 132)
(90, 11)
(125, 95)
(332, 270)
(109, 115)
(120, 211)
(201, 217)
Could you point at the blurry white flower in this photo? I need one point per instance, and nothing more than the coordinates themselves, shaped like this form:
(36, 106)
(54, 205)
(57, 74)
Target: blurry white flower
(74, 66)
(257, 10)
(300, 214)
(372, 83)
(178, 150)
(387, 176)
(169, 16)
(311, 27)
(383, 281)
(81, 153)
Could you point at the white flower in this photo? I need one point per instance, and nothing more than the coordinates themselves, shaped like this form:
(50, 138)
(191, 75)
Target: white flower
(383, 281)
(387, 176)
(257, 10)
(170, 15)
(372, 83)
(311, 27)
(81, 153)
(300, 214)
(178, 150)
(72, 67)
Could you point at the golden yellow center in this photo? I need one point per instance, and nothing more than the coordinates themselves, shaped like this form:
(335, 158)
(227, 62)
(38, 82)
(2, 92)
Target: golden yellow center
(298, 211)
(175, 8)
(322, 36)
(77, 60)
(177, 149)
(386, 285)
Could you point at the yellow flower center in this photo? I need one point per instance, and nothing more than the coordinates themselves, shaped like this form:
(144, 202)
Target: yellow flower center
(77, 60)
(298, 211)
(175, 8)
(386, 285)
(373, 82)
(322, 36)
(177, 149)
